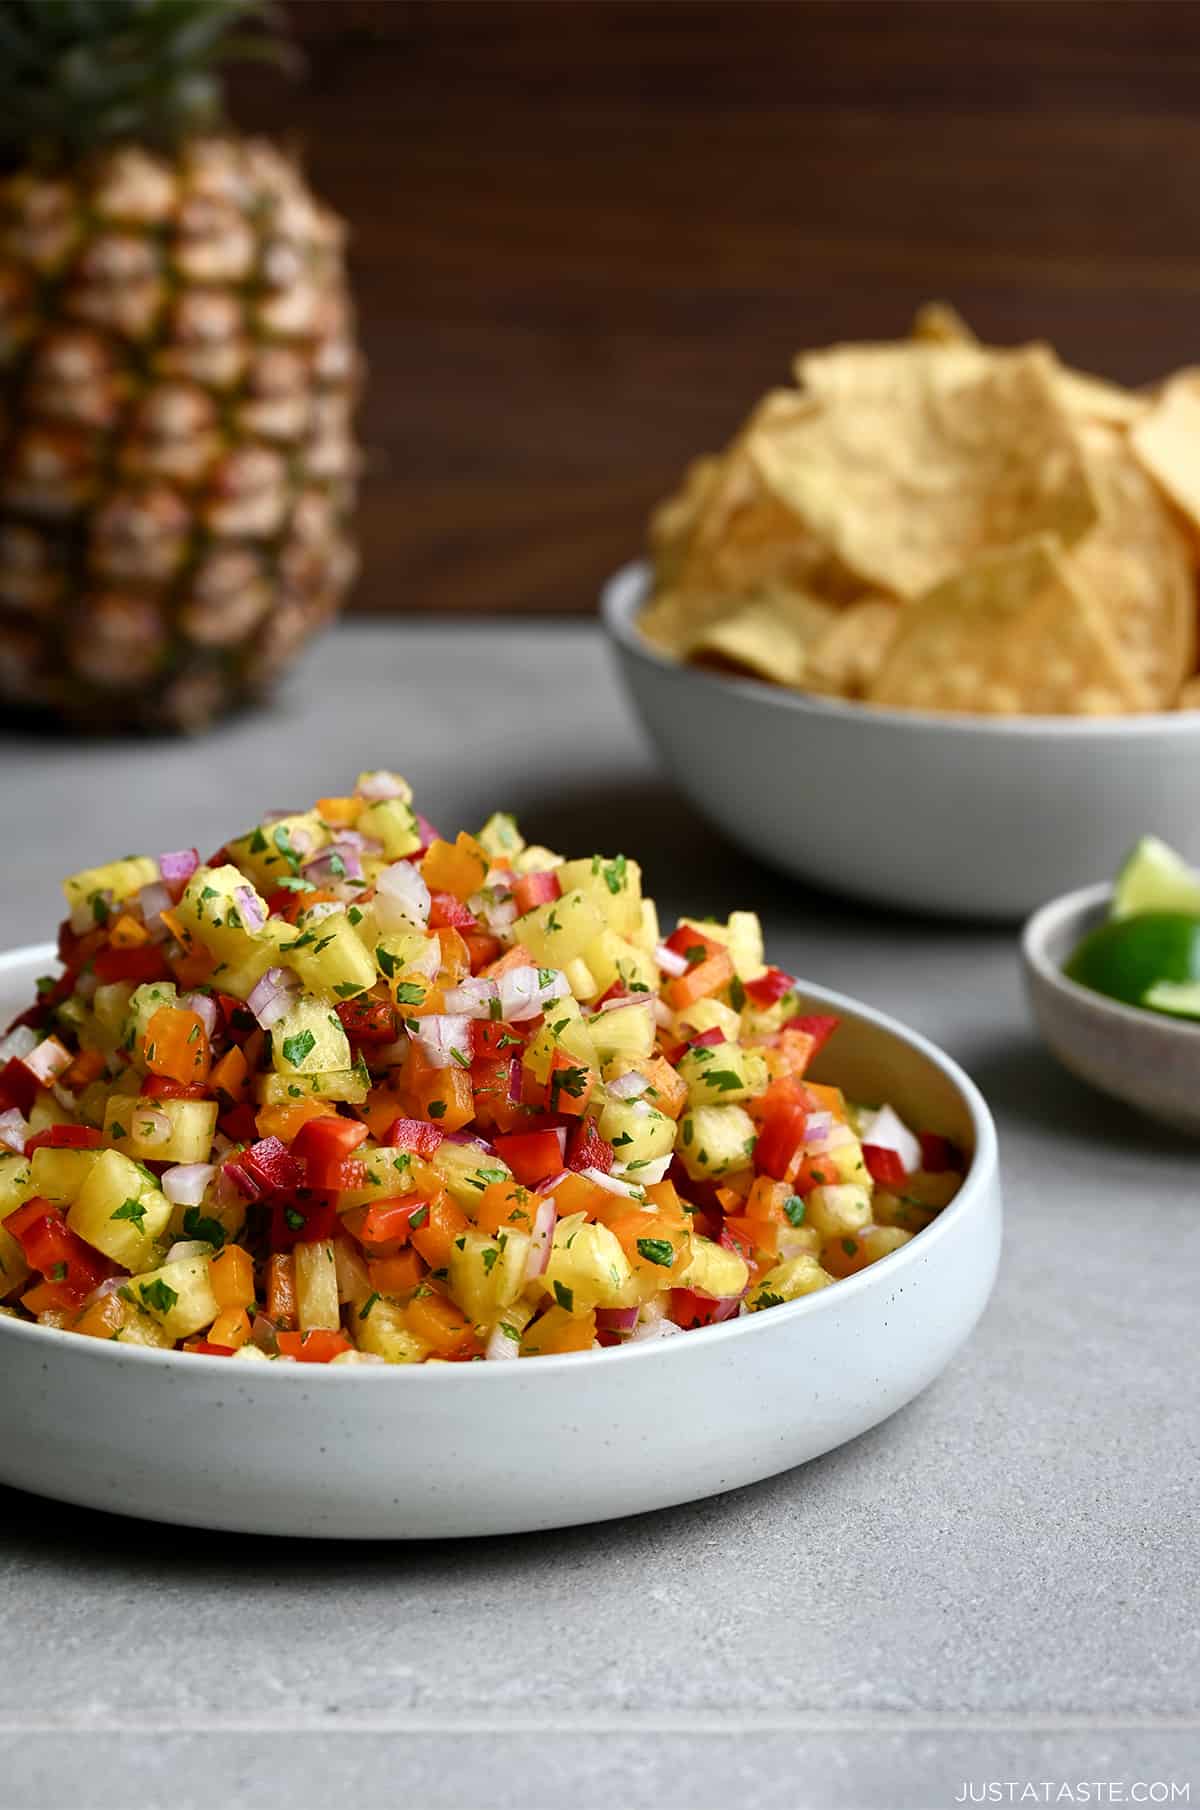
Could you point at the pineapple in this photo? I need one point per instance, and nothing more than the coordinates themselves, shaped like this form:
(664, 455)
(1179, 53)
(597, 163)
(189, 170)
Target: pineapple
(177, 373)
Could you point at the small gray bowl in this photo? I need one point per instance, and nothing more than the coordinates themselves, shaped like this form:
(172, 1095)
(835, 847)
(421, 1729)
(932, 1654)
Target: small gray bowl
(1143, 1058)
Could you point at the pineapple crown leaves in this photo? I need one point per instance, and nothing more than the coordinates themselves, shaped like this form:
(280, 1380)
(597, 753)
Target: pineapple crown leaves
(77, 74)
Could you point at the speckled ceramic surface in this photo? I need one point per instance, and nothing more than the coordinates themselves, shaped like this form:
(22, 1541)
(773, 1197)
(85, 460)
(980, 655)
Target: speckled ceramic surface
(459, 1449)
(979, 817)
(1148, 1060)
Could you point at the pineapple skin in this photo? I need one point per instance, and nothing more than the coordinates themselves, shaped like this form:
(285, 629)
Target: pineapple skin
(178, 375)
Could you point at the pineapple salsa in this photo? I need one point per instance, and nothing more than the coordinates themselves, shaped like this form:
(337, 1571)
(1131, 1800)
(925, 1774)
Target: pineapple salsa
(351, 1093)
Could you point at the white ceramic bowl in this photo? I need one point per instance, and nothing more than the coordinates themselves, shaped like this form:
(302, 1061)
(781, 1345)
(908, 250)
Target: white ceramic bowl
(962, 816)
(1146, 1059)
(548, 1442)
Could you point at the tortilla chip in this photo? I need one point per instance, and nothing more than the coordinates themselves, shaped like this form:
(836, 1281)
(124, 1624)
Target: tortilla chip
(1095, 399)
(1135, 564)
(673, 620)
(673, 521)
(850, 653)
(929, 461)
(1189, 694)
(1014, 634)
(769, 637)
(1167, 441)
(942, 324)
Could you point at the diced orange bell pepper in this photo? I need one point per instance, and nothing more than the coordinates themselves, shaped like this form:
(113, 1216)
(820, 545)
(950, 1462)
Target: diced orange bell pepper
(456, 957)
(664, 1197)
(386, 1225)
(481, 948)
(516, 957)
(232, 1075)
(380, 1110)
(231, 1277)
(653, 1245)
(576, 1194)
(397, 1275)
(316, 1347)
(340, 813)
(700, 982)
(439, 1323)
(230, 1328)
(445, 1097)
(670, 1089)
(459, 868)
(177, 1046)
(827, 1099)
(766, 1201)
(436, 1237)
(50, 1297)
(281, 1290)
(193, 968)
(755, 1238)
(102, 1319)
(88, 1066)
(506, 1207)
(569, 1086)
(127, 933)
(556, 1331)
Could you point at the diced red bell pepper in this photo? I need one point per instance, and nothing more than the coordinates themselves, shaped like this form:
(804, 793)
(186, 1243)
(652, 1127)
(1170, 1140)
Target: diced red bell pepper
(569, 1087)
(239, 1019)
(387, 1224)
(316, 1347)
(532, 890)
(769, 987)
(163, 1087)
(693, 945)
(301, 1221)
(415, 1135)
(239, 1124)
(883, 1165)
(481, 948)
(817, 1025)
(64, 1137)
(939, 1155)
(206, 1348)
(781, 1138)
(274, 1167)
(588, 1150)
(323, 1145)
(144, 963)
(448, 913)
(615, 992)
(489, 1037)
(368, 1020)
(689, 1309)
(18, 1086)
(497, 1082)
(51, 1247)
(707, 1039)
(533, 1155)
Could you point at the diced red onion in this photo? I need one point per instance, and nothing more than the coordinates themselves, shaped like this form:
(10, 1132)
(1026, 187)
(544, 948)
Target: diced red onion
(617, 1319)
(262, 1334)
(251, 909)
(501, 916)
(382, 784)
(66, 1099)
(526, 992)
(402, 899)
(14, 1129)
(366, 845)
(473, 998)
(425, 831)
(271, 997)
(326, 862)
(649, 1171)
(87, 984)
(443, 1038)
(663, 1015)
(177, 868)
(541, 1239)
(18, 1043)
(500, 1347)
(324, 908)
(150, 1126)
(185, 1184)
(154, 900)
(48, 1060)
(429, 962)
(629, 1086)
(670, 961)
(612, 1183)
(462, 1138)
(817, 1127)
(187, 1247)
(83, 916)
(205, 1008)
(887, 1129)
(102, 1290)
(654, 1329)
(221, 1146)
(641, 1109)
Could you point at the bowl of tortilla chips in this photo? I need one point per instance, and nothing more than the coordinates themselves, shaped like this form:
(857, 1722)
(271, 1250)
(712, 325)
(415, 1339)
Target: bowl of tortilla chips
(926, 631)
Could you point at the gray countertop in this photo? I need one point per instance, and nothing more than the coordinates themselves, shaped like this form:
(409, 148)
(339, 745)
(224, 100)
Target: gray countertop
(997, 1586)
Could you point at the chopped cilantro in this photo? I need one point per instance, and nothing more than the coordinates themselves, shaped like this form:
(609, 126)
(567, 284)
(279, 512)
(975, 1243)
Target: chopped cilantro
(794, 1209)
(437, 1109)
(614, 874)
(737, 994)
(657, 1250)
(417, 1220)
(158, 1295)
(297, 1047)
(134, 1210)
(409, 993)
(565, 1297)
(283, 842)
(201, 1225)
(346, 989)
(368, 1304)
(57, 1272)
(295, 1218)
(767, 1299)
(387, 963)
(258, 842)
(489, 1260)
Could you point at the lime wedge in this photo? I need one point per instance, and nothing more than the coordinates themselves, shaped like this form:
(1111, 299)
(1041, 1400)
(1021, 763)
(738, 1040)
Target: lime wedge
(1180, 998)
(1155, 878)
(1131, 958)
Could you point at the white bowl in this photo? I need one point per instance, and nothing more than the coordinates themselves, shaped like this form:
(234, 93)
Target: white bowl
(1146, 1059)
(962, 816)
(545, 1442)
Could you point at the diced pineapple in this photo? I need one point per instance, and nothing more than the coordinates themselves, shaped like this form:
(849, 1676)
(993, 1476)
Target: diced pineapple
(712, 1270)
(211, 911)
(397, 950)
(239, 972)
(715, 1141)
(14, 1183)
(392, 1172)
(133, 1125)
(614, 888)
(309, 1039)
(537, 860)
(110, 1007)
(787, 1281)
(743, 938)
(626, 1031)
(46, 1112)
(273, 851)
(637, 1132)
(121, 878)
(587, 1268)
(501, 837)
(486, 1274)
(400, 786)
(119, 1211)
(707, 1015)
(349, 1084)
(465, 1171)
(722, 1074)
(329, 958)
(837, 1210)
(839, 1163)
(563, 1029)
(392, 822)
(647, 935)
(153, 996)
(60, 1174)
(379, 1327)
(141, 1328)
(614, 960)
(178, 1295)
(556, 933)
(317, 1304)
(580, 978)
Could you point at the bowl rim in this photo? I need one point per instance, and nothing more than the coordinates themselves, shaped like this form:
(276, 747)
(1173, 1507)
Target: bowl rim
(979, 1182)
(625, 591)
(1070, 908)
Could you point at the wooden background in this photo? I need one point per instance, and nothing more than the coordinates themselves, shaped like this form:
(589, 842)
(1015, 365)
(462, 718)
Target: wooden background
(587, 235)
